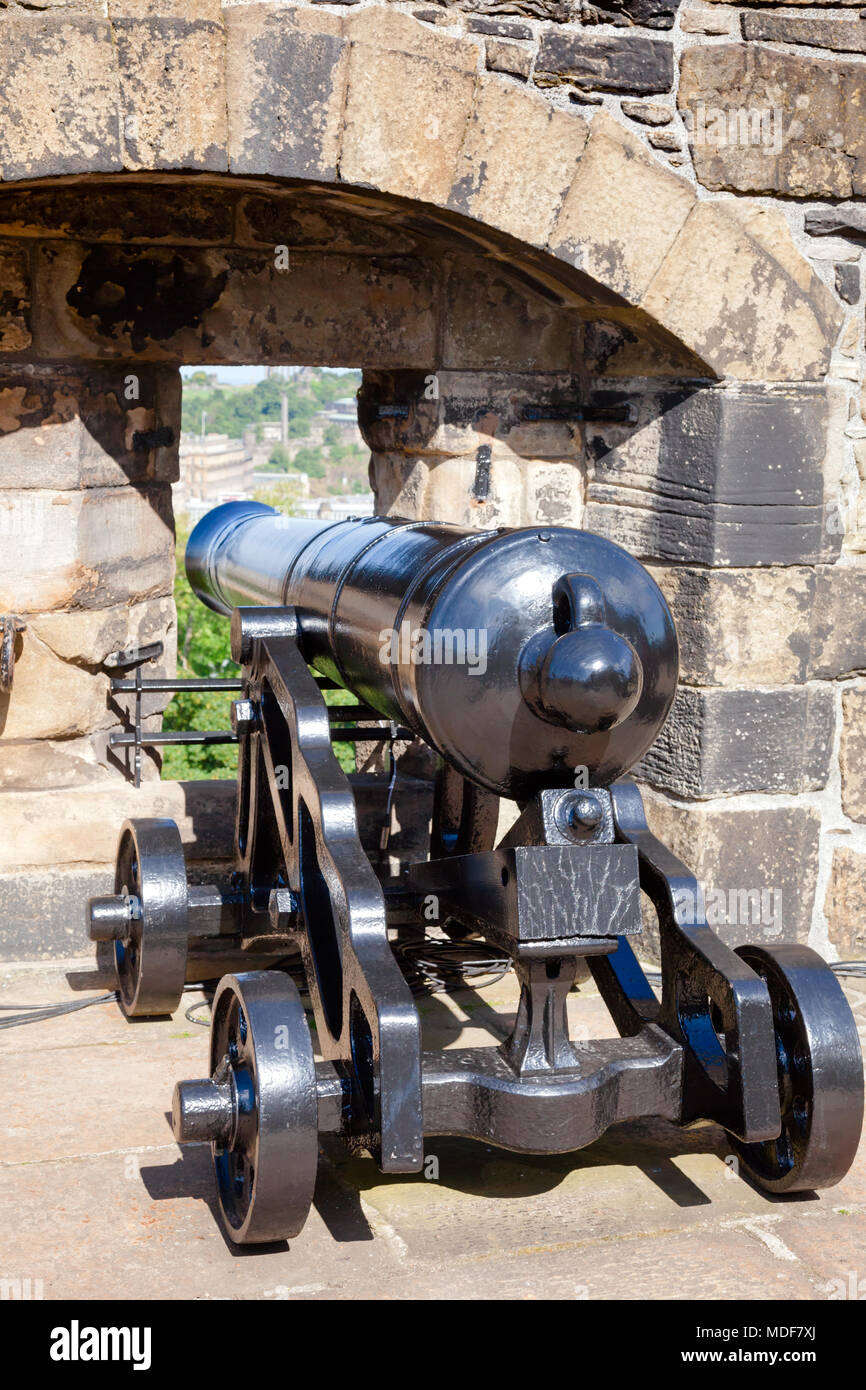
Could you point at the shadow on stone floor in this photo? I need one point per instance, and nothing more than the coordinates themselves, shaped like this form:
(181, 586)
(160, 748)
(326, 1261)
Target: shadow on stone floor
(471, 1168)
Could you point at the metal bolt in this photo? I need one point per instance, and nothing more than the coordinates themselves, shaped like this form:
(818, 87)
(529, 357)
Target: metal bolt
(585, 812)
(282, 910)
(202, 1111)
(243, 716)
(579, 813)
(109, 918)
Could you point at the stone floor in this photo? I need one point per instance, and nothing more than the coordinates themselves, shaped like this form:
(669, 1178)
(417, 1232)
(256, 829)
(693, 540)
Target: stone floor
(97, 1201)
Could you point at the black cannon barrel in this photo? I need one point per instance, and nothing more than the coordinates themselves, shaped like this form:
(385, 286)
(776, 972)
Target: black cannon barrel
(529, 657)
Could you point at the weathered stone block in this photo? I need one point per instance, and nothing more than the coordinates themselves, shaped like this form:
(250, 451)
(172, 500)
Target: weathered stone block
(42, 912)
(469, 456)
(456, 412)
(717, 742)
(42, 908)
(501, 28)
(479, 302)
(180, 9)
(58, 691)
(399, 482)
(81, 826)
(382, 310)
(847, 281)
(123, 301)
(508, 57)
(286, 85)
(845, 904)
(164, 60)
(841, 35)
(709, 19)
(552, 494)
(844, 219)
(559, 11)
(762, 314)
(304, 223)
(87, 549)
(742, 627)
(138, 213)
(753, 627)
(59, 95)
(758, 868)
(716, 477)
(622, 213)
(852, 753)
(610, 63)
(838, 622)
(14, 298)
(517, 160)
(488, 485)
(666, 140)
(648, 112)
(394, 31)
(407, 146)
(385, 308)
(68, 762)
(71, 427)
(652, 14)
(765, 121)
(480, 490)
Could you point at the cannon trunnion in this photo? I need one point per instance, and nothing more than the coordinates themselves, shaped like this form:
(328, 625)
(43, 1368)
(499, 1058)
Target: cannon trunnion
(565, 675)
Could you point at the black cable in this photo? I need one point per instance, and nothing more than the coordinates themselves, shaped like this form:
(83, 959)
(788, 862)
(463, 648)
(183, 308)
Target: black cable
(433, 965)
(430, 966)
(35, 1013)
(855, 968)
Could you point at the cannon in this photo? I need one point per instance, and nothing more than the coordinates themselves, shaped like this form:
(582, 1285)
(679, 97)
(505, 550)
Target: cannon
(537, 665)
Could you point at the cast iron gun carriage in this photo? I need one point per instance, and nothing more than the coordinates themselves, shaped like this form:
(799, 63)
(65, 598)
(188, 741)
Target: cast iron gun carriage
(580, 669)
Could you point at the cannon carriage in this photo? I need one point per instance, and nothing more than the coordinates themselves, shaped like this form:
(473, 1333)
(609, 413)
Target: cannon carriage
(538, 665)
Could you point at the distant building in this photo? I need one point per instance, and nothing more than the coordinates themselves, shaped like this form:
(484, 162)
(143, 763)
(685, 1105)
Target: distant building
(344, 411)
(337, 508)
(212, 470)
(299, 481)
(202, 381)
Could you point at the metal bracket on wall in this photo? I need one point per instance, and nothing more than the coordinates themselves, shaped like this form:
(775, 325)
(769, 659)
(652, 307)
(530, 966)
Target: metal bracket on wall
(621, 412)
(10, 626)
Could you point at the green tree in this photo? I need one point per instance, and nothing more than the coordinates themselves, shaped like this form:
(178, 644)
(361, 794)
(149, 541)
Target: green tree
(204, 649)
(308, 460)
(284, 496)
(279, 457)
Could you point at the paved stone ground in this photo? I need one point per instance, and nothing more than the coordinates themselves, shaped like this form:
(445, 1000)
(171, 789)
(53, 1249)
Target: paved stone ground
(97, 1201)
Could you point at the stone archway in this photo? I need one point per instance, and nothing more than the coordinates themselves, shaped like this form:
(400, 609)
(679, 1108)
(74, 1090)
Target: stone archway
(546, 269)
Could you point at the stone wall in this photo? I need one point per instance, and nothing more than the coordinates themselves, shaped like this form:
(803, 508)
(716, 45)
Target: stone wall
(594, 262)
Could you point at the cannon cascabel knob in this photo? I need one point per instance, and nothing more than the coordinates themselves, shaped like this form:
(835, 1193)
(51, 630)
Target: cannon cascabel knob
(589, 680)
(589, 677)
